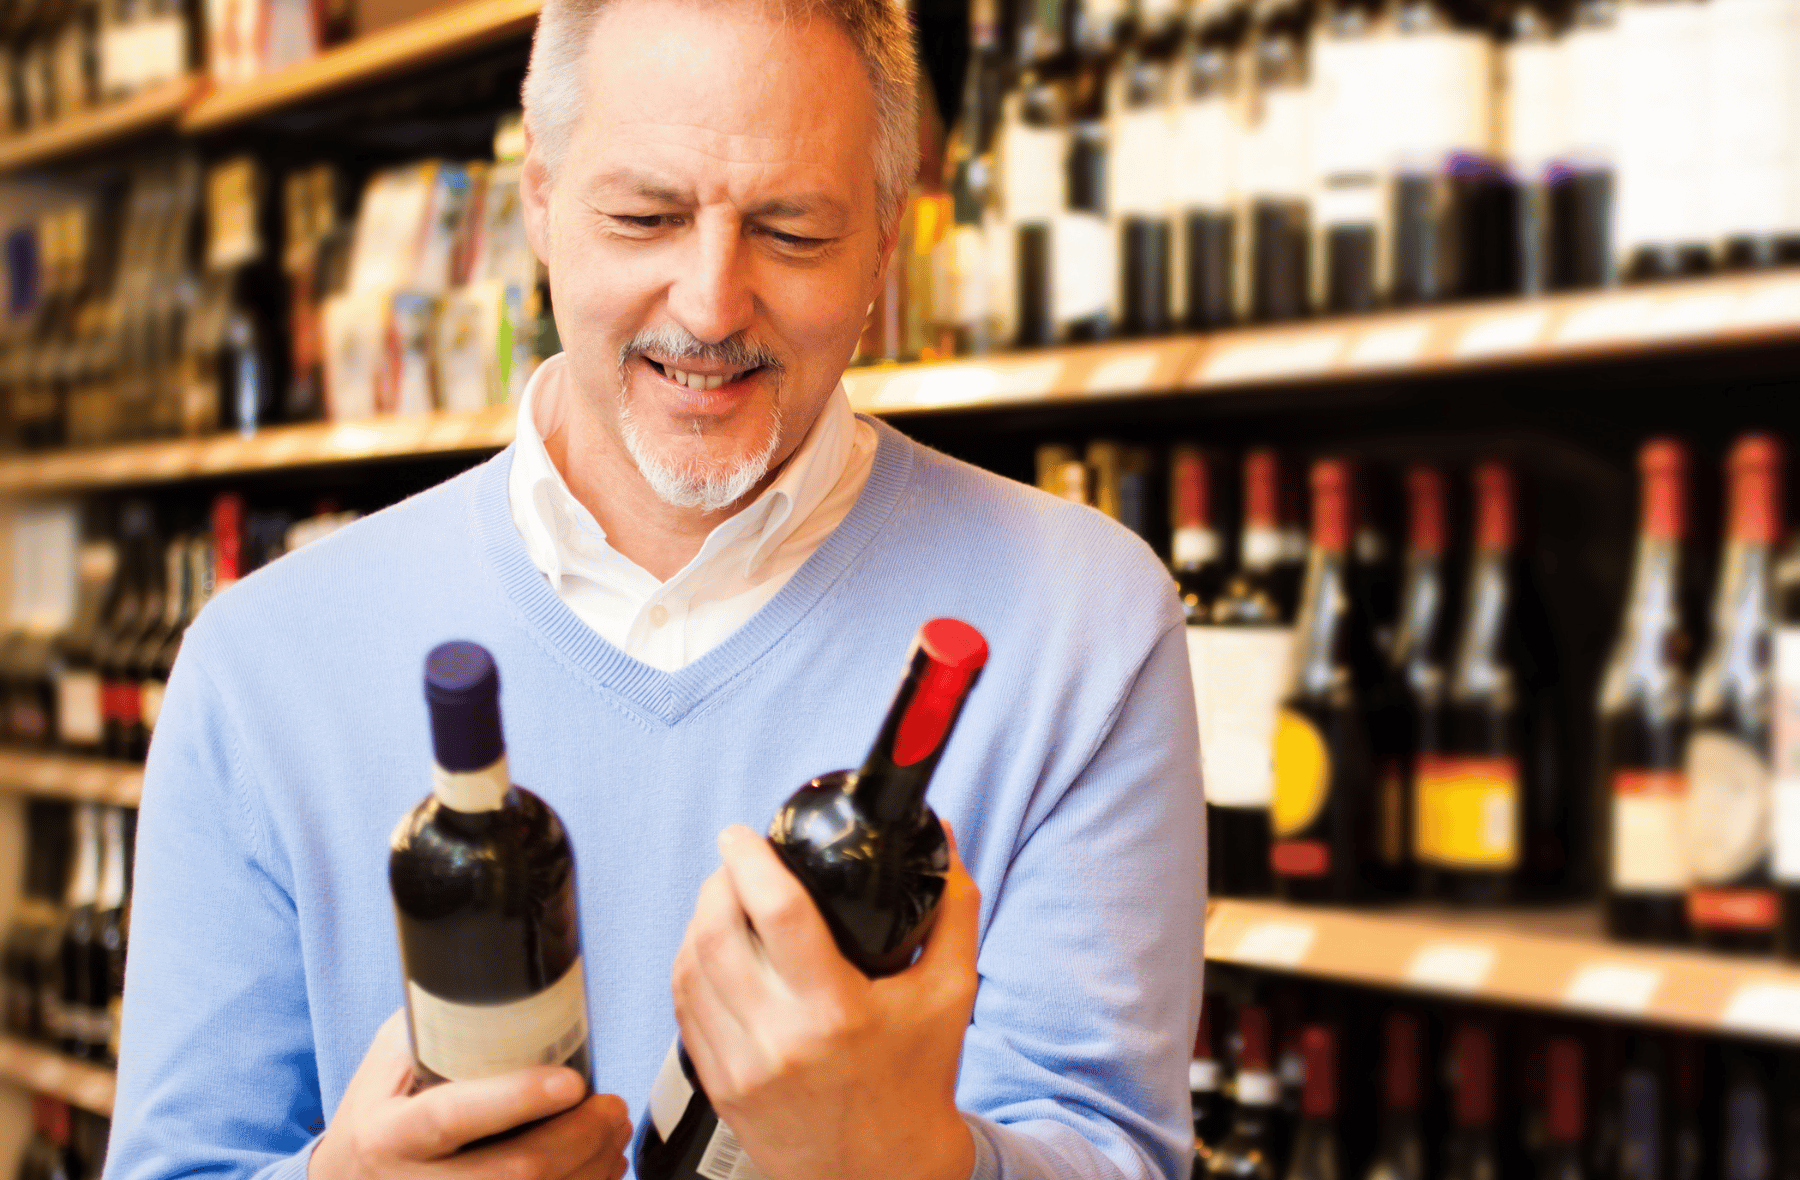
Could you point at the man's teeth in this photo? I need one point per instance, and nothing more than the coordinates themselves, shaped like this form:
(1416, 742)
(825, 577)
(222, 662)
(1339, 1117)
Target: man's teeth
(701, 381)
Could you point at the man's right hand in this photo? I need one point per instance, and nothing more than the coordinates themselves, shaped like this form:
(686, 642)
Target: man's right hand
(382, 1133)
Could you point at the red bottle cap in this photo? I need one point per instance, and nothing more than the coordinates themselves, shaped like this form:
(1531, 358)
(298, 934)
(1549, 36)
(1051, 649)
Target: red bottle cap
(1400, 1074)
(1262, 489)
(1318, 1098)
(1331, 504)
(1755, 474)
(1565, 1123)
(954, 652)
(1253, 1030)
(228, 538)
(1203, 1039)
(1425, 503)
(1193, 507)
(1663, 465)
(1474, 1076)
(1494, 507)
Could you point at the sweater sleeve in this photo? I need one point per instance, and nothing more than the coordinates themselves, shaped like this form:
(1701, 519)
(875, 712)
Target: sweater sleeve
(216, 1070)
(1074, 1064)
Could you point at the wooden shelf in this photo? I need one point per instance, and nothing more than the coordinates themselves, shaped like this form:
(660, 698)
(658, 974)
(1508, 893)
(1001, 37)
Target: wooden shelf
(78, 1083)
(1664, 318)
(159, 106)
(1556, 959)
(314, 444)
(418, 42)
(88, 780)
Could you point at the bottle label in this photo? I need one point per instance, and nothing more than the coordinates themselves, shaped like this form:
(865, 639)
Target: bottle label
(1536, 115)
(726, 1159)
(1302, 775)
(1203, 1076)
(473, 790)
(1649, 824)
(1206, 151)
(1032, 177)
(1238, 676)
(1277, 162)
(468, 1041)
(1662, 127)
(1751, 130)
(78, 719)
(1730, 805)
(1083, 261)
(1467, 811)
(1138, 173)
(670, 1093)
(1352, 113)
(1300, 858)
(1447, 78)
(1786, 754)
(1733, 909)
(1591, 74)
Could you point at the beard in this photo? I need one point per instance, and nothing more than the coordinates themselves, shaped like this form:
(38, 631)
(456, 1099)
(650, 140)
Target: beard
(696, 480)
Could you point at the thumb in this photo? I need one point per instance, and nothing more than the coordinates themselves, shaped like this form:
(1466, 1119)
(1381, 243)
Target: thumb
(950, 948)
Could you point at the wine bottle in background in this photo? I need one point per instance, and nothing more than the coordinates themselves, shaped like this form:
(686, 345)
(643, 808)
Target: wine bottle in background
(1420, 657)
(1122, 485)
(1747, 1147)
(1250, 1151)
(47, 1155)
(1138, 186)
(483, 880)
(1662, 229)
(1532, 64)
(1752, 50)
(1689, 1155)
(1315, 1153)
(1566, 1124)
(1084, 253)
(1643, 1140)
(157, 656)
(37, 922)
(1211, 1108)
(1351, 151)
(70, 1018)
(1325, 819)
(1732, 904)
(872, 855)
(1195, 555)
(1643, 718)
(1582, 249)
(962, 260)
(126, 622)
(79, 726)
(1209, 139)
(106, 949)
(1034, 146)
(1400, 1143)
(1277, 172)
(1785, 752)
(1472, 1152)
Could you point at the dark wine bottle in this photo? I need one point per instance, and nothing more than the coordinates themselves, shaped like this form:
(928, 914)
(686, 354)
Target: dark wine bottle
(146, 660)
(1139, 196)
(1747, 1145)
(1420, 659)
(1326, 821)
(1206, 134)
(1643, 1140)
(1194, 552)
(106, 948)
(133, 612)
(1567, 1121)
(1315, 1153)
(873, 857)
(1472, 1153)
(1732, 904)
(483, 879)
(70, 1021)
(1250, 1151)
(1400, 1143)
(33, 943)
(1278, 167)
(79, 726)
(1785, 762)
(1643, 719)
(1211, 1108)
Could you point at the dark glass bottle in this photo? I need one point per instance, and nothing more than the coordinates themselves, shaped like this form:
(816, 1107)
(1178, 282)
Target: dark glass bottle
(872, 855)
(1349, 141)
(106, 948)
(1566, 1123)
(1420, 659)
(1732, 904)
(1315, 1154)
(1785, 761)
(1643, 1139)
(1400, 1143)
(1473, 1152)
(1195, 554)
(1207, 138)
(1279, 172)
(1211, 1108)
(71, 1022)
(1582, 181)
(1643, 718)
(1326, 820)
(1747, 1145)
(1250, 1151)
(80, 725)
(1139, 187)
(1032, 174)
(1084, 253)
(183, 570)
(483, 880)
(130, 616)
(37, 922)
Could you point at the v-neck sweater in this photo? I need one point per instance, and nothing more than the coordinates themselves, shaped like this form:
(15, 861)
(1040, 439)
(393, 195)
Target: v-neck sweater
(294, 736)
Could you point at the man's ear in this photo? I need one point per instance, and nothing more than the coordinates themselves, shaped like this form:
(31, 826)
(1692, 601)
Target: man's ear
(534, 192)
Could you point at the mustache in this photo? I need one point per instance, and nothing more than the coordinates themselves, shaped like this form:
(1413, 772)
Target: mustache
(676, 344)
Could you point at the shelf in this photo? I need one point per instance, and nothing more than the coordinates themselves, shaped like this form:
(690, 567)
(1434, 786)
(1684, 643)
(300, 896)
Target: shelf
(416, 43)
(88, 780)
(1666, 318)
(314, 444)
(76, 1082)
(1538, 958)
(159, 106)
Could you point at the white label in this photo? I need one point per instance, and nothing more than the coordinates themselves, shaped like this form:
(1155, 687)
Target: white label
(1123, 374)
(1082, 252)
(1277, 162)
(1444, 82)
(1787, 754)
(1257, 1088)
(78, 708)
(1138, 172)
(1750, 127)
(162, 50)
(1662, 84)
(464, 1042)
(1239, 674)
(726, 1159)
(473, 790)
(1447, 966)
(1536, 106)
(1383, 348)
(1348, 202)
(1764, 1008)
(1613, 987)
(1207, 145)
(1275, 944)
(1351, 122)
(1729, 805)
(670, 1093)
(1501, 334)
(1032, 177)
(1649, 847)
(1203, 1076)
(1192, 545)
(1591, 80)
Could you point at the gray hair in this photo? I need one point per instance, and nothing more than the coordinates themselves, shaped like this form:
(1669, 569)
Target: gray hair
(878, 29)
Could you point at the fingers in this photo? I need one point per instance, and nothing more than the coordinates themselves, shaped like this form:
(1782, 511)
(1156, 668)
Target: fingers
(435, 1122)
(947, 961)
(587, 1142)
(794, 936)
(386, 1069)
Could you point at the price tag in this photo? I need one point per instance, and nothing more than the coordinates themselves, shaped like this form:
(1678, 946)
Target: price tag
(1613, 987)
(1123, 374)
(1028, 382)
(1388, 348)
(953, 386)
(1277, 358)
(1275, 944)
(1609, 319)
(1767, 1008)
(1772, 307)
(1450, 966)
(1500, 334)
(1691, 315)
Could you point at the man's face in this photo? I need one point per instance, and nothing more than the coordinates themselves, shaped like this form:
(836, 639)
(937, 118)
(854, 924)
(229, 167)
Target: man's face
(711, 236)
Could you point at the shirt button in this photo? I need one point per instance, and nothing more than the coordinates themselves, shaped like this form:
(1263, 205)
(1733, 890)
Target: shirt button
(659, 614)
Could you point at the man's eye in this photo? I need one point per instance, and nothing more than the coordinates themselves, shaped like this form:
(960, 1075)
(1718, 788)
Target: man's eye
(644, 221)
(795, 242)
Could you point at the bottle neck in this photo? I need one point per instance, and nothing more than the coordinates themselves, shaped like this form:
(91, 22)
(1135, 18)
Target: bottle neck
(86, 879)
(472, 791)
(891, 785)
(112, 874)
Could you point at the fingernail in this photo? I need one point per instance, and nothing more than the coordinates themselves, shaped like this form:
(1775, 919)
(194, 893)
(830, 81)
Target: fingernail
(733, 835)
(563, 1086)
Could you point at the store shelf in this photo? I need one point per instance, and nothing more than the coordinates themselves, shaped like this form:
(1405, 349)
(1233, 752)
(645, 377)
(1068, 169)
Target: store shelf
(414, 44)
(1555, 958)
(1662, 319)
(76, 1082)
(314, 444)
(86, 779)
(159, 106)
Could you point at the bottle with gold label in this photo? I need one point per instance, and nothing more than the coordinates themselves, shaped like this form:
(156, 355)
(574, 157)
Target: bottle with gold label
(1419, 658)
(1326, 820)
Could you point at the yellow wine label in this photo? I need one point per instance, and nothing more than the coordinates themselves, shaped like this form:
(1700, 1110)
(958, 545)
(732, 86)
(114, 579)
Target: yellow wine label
(1302, 774)
(1466, 811)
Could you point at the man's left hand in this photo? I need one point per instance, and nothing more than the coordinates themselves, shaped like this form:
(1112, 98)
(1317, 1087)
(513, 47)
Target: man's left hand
(821, 1072)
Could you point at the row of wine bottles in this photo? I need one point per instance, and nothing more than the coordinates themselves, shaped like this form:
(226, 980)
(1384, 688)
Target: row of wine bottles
(1330, 1083)
(100, 607)
(60, 58)
(1139, 166)
(67, 1143)
(64, 955)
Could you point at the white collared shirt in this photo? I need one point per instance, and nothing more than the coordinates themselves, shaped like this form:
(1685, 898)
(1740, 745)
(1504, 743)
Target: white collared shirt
(742, 564)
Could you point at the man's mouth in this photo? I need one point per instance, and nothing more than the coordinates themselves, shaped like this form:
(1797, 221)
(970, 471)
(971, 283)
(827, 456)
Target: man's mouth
(702, 381)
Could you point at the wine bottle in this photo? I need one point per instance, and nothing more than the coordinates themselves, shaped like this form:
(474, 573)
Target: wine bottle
(1400, 1144)
(1643, 718)
(1208, 142)
(483, 879)
(1326, 821)
(120, 711)
(1566, 1123)
(37, 922)
(1138, 184)
(145, 658)
(1472, 1152)
(1194, 552)
(1211, 1108)
(106, 948)
(1747, 1142)
(1785, 754)
(1250, 1151)
(1420, 658)
(1582, 251)
(187, 594)
(1351, 151)
(1084, 261)
(1662, 219)
(1643, 1142)
(1689, 1157)
(47, 1155)
(79, 726)
(70, 1021)
(874, 858)
(1732, 904)
(1277, 171)
(1315, 1151)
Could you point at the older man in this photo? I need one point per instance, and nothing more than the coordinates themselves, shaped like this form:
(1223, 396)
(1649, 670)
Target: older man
(698, 571)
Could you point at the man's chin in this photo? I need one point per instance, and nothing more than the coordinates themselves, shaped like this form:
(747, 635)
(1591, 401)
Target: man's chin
(700, 472)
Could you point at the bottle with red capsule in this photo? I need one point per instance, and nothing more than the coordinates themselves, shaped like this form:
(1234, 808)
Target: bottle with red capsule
(1473, 1151)
(1400, 1143)
(1315, 1150)
(1566, 1124)
(1252, 1151)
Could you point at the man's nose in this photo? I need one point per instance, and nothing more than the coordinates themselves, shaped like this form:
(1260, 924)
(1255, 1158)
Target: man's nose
(711, 295)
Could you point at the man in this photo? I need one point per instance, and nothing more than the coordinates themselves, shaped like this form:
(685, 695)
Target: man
(699, 573)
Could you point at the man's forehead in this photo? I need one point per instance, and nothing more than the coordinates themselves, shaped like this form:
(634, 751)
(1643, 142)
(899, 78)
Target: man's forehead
(670, 188)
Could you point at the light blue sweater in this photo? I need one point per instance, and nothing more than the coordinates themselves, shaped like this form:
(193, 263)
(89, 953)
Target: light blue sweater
(294, 736)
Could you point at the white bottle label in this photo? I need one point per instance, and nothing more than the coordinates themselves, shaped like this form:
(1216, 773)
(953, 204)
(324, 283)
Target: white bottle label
(78, 708)
(1754, 52)
(1591, 84)
(1277, 161)
(1729, 805)
(1536, 107)
(1662, 128)
(1351, 119)
(1239, 674)
(670, 1093)
(1082, 265)
(726, 1159)
(1443, 82)
(1649, 824)
(1203, 1076)
(1032, 172)
(464, 1042)
(1207, 141)
(1138, 173)
(474, 790)
(1787, 754)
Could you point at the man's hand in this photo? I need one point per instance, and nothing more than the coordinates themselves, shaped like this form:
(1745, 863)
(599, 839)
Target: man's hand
(380, 1133)
(822, 1073)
